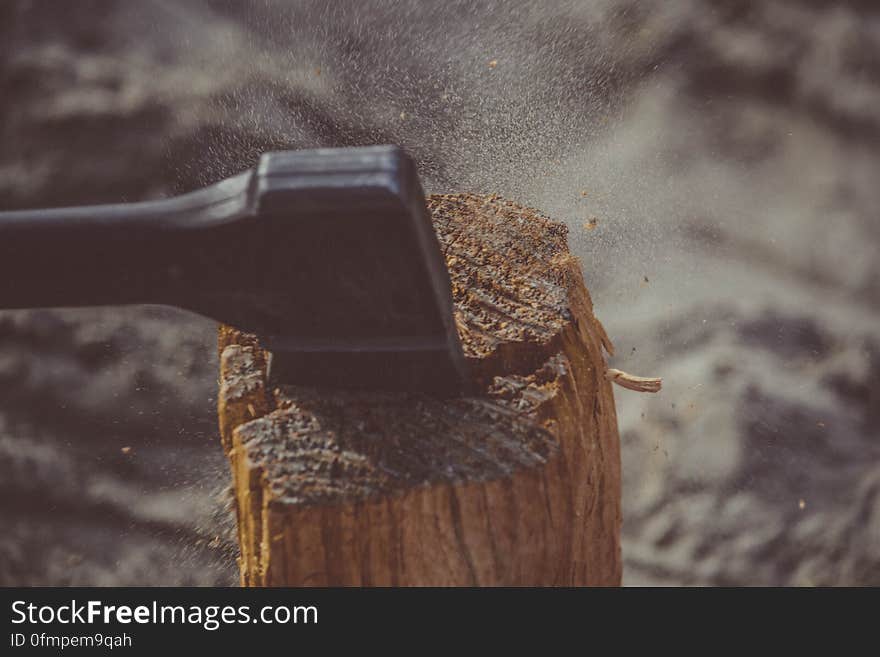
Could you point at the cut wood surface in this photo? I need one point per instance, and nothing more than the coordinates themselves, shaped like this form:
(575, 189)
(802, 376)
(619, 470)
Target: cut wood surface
(516, 485)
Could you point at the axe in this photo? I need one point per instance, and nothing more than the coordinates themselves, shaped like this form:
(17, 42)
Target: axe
(327, 255)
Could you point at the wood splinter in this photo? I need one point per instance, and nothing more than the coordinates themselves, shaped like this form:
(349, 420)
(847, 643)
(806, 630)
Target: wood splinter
(630, 382)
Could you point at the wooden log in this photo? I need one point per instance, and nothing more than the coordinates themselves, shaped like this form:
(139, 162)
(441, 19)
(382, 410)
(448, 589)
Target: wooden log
(516, 485)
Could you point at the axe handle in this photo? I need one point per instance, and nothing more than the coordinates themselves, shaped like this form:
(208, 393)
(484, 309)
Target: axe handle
(153, 252)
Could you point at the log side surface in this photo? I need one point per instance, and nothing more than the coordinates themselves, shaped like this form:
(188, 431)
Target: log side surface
(516, 485)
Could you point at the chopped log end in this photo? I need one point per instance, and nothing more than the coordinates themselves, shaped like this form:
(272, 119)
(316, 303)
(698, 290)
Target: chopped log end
(541, 436)
(511, 273)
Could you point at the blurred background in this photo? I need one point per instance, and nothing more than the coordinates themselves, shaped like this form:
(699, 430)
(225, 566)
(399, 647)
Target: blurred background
(717, 164)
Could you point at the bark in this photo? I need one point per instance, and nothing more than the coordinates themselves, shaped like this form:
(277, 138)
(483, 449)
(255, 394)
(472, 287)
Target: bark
(518, 485)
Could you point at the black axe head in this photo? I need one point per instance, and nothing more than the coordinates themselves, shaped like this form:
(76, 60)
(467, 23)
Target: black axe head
(341, 275)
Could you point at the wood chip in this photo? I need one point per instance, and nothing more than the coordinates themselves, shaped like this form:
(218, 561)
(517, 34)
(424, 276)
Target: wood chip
(637, 383)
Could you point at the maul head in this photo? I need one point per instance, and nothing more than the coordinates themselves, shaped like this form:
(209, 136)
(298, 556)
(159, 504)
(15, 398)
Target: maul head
(352, 289)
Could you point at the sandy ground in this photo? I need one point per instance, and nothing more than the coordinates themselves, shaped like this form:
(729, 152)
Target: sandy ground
(729, 157)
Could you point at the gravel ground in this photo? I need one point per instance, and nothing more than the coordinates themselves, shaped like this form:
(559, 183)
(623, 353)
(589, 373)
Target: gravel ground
(729, 152)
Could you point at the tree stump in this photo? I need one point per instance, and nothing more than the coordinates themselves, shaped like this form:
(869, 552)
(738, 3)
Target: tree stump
(517, 485)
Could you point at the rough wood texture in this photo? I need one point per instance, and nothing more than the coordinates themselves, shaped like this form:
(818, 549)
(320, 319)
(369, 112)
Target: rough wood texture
(517, 486)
